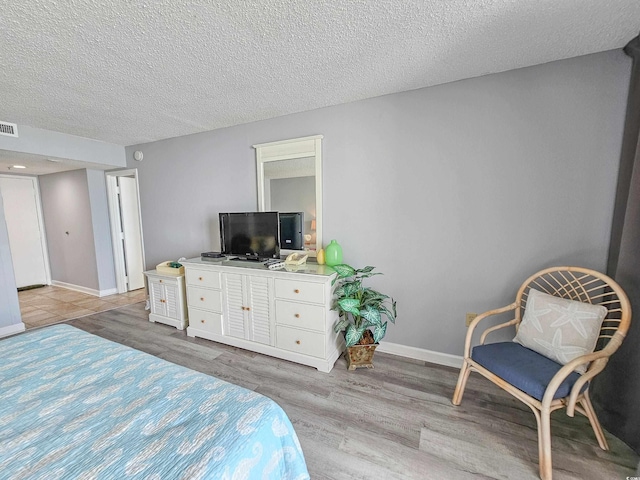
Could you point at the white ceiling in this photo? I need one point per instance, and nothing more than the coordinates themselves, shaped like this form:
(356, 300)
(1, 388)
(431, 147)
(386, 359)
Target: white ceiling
(129, 72)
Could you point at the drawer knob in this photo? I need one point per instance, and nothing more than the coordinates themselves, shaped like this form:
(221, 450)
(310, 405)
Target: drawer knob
(202, 299)
(162, 300)
(296, 291)
(200, 278)
(298, 342)
(297, 315)
(160, 280)
(201, 321)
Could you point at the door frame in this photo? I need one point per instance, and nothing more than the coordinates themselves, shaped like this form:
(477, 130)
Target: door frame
(116, 220)
(43, 233)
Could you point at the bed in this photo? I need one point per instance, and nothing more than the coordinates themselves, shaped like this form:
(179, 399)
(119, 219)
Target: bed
(74, 405)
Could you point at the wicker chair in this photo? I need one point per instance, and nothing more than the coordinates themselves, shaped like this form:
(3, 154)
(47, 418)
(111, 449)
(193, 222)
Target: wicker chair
(562, 386)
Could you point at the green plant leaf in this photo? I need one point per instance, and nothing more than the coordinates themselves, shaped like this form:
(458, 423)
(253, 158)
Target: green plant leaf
(367, 275)
(351, 305)
(344, 270)
(353, 335)
(390, 315)
(351, 288)
(380, 332)
(371, 314)
(365, 269)
(371, 297)
(341, 325)
(340, 292)
(360, 307)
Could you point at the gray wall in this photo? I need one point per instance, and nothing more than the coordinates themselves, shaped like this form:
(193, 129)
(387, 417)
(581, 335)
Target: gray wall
(9, 306)
(456, 192)
(101, 229)
(66, 207)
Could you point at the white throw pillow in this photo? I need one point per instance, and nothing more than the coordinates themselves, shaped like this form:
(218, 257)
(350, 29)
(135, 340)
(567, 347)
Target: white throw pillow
(558, 328)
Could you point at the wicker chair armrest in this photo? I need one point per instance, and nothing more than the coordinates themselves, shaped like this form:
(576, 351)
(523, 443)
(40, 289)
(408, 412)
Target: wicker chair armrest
(482, 316)
(595, 368)
(496, 327)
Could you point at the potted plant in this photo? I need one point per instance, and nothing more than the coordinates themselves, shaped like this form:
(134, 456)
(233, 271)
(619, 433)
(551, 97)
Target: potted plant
(361, 310)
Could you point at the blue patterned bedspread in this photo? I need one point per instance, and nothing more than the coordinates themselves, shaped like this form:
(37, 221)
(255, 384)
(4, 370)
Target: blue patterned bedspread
(74, 405)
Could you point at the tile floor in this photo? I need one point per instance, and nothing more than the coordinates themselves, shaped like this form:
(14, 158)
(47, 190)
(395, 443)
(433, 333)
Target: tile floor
(49, 304)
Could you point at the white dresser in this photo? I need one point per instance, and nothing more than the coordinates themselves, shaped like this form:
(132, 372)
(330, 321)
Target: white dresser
(285, 314)
(167, 299)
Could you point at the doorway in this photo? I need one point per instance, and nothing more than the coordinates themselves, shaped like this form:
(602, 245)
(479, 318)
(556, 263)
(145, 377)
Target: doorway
(126, 229)
(27, 241)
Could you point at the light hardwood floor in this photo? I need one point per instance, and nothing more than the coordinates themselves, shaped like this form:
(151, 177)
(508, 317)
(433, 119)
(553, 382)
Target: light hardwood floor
(393, 422)
(50, 304)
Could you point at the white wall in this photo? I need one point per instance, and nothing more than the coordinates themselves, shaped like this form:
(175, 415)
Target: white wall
(456, 192)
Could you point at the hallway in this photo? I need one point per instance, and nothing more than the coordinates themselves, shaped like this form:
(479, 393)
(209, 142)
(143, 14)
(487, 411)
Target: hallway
(50, 304)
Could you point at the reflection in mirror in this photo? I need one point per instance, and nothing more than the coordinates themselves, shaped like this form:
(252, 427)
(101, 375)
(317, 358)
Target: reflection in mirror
(289, 180)
(290, 186)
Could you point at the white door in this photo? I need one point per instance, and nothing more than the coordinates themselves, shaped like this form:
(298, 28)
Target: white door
(132, 238)
(26, 236)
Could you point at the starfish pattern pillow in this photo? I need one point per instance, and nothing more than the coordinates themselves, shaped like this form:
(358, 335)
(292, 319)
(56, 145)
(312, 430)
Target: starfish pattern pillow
(558, 328)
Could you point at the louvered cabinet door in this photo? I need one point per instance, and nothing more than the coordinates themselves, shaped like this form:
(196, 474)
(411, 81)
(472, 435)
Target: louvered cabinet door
(157, 301)
(258, 300)
(172, 301)
(234, 305)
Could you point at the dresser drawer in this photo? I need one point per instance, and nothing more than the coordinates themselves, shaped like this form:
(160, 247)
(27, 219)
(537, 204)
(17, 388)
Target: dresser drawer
(300, 341)
(300, 315)
(301, 291)
(203, 278)
(203, 320)
(163, 281)
(205, 298)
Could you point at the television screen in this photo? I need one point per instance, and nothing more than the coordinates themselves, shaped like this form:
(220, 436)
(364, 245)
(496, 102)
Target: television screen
(250, 234)
(292, 230)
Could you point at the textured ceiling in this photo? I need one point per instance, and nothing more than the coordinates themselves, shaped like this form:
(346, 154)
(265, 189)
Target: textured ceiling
(130, 72)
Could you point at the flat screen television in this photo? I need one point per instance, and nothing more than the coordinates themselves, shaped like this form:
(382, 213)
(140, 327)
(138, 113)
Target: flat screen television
(252, 235)
(292, 230)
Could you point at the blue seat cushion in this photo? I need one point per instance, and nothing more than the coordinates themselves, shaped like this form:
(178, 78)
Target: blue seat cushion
(523, 368)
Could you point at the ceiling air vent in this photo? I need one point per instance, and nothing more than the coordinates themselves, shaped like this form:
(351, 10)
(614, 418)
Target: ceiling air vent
(8, 129)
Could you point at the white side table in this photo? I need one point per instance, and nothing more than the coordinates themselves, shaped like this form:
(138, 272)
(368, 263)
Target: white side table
(167, 299)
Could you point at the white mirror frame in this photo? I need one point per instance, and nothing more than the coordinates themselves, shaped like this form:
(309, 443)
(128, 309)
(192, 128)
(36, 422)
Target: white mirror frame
(303, 147)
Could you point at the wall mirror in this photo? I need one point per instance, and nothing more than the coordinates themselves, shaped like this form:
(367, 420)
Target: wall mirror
(290, 180)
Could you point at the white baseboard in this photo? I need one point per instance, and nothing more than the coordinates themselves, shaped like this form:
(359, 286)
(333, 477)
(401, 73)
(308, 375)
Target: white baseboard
(88, 291)
(106, 293)
(430, 356)
(12, 329)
